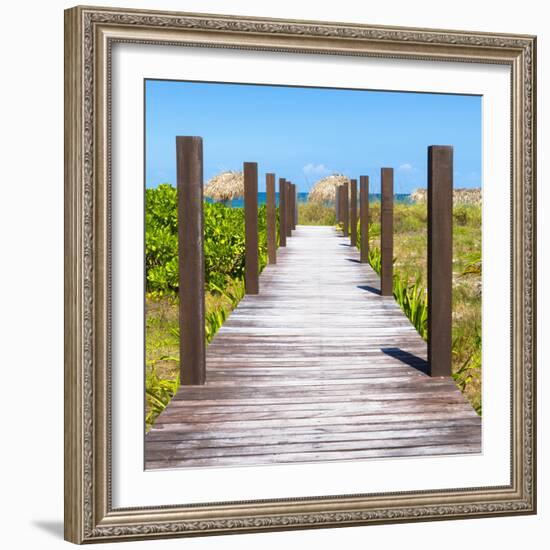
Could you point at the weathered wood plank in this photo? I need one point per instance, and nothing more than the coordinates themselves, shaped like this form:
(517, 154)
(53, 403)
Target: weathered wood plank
(164, 439)
(290, 423)
(168, 433)
(231, 460)
(168, 451)
(293, 393)
(304, 403)
(362, 411)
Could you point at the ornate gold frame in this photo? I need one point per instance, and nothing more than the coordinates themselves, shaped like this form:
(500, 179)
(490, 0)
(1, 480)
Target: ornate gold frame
(89, 34)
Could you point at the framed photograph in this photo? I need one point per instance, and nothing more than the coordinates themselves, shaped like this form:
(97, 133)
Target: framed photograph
(300, 274)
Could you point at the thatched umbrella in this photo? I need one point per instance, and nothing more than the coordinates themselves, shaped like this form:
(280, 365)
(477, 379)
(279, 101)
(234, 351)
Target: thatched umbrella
(225, 186)
(325, 189)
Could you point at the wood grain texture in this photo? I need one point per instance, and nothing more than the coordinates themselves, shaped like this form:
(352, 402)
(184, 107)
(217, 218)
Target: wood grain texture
(440, 258)
(386, 232)
(319, 366)
(288, 203)
(345, 209)
(293, 204)
(282, 212)
(364, 217)
(191, 259)
(353, 213)
(271, 218)
(251, 274)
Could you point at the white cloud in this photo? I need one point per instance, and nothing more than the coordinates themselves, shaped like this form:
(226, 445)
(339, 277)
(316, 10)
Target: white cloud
(316, 170)
(406, 167)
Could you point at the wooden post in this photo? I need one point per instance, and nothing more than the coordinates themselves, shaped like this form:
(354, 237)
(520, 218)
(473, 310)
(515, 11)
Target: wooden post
(271, 218)
(345, 208)
(288, 209)
(297, 207)
(364, 215)
(353, 213)
(337, 203)
(291, 206)
(282, 212)
(294, 206)
(341, 205)
(386, 233)
(191, 260)
(297, 216)
(440, 259)
(251, 270)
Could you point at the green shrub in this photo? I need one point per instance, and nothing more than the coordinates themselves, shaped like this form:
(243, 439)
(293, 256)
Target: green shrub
(224, 242)
(158, 393)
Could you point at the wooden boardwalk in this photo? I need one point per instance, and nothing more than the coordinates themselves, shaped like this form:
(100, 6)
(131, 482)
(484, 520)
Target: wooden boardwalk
(316, 367)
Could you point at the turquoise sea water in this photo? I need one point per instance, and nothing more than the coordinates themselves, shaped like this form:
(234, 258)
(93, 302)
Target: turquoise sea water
(302, 197)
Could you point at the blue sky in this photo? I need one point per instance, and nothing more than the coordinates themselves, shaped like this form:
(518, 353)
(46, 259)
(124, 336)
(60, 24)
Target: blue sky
(303, 134)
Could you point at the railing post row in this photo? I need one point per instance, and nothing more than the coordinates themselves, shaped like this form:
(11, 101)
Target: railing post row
(191, 260)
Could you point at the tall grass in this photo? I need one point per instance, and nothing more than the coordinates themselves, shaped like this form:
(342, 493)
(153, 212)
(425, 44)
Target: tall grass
(158, 393)
(159, 389)
(412, 298)
(311, 213)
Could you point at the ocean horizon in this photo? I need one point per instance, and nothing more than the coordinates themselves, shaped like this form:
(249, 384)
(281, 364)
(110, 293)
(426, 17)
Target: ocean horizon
(303, 196)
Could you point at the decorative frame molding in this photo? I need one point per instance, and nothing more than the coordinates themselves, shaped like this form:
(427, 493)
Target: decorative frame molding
(89, 35)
